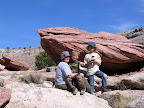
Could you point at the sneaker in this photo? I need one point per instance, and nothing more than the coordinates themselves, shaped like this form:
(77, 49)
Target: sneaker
(105, 90)
(75, 91)
(82, 91)
(97, 93)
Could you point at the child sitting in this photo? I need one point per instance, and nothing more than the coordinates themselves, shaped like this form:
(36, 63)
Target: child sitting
(79, 78)
(92, 62)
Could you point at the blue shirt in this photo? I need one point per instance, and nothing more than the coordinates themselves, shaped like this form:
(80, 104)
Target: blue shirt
(62, 71)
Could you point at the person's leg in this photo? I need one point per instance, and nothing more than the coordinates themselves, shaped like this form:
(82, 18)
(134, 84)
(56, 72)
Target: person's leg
(71, 86)
(81, 84)
(63, 87)
(88, 88)
(75, 83)
(91, 81)
(103, 76)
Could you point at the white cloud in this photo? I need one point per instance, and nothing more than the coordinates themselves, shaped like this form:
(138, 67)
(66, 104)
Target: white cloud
(124, 26)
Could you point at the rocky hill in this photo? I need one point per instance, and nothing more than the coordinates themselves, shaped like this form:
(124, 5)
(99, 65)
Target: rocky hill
(136, 35)
(26, 54)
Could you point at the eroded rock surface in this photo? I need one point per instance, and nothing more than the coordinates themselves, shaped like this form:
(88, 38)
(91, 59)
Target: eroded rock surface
(28, 96)
(138, 103)
(14, 63)
(2, 67)
(120, 99)
(5, 96)
(118, 53)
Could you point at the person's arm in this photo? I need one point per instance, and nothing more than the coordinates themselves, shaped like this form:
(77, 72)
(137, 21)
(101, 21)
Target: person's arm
(82, 63)
(87, 61)
(72, 75)
(97, 61)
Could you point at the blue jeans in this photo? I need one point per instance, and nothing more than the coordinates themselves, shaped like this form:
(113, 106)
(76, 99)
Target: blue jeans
(100, 75)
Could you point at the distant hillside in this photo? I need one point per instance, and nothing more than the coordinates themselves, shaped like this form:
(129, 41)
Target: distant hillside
(26, 54)
(136, 35)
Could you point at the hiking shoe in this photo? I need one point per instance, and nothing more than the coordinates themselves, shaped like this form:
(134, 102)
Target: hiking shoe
(75, 91)
(105, 90)
(82, 91)
(97, 93)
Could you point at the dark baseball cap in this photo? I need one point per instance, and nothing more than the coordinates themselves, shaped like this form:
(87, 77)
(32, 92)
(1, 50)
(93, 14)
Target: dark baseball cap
(92, 44)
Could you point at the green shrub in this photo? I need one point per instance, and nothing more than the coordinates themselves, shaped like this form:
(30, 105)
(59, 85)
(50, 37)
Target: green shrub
(7, 48)
(42, 60)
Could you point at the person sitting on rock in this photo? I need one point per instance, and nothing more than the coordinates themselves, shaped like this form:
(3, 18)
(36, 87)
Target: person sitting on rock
(79, 79)
(92, 62)
(64, 74)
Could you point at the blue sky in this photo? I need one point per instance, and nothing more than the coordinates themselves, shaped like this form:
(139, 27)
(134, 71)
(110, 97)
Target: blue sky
(20, 19)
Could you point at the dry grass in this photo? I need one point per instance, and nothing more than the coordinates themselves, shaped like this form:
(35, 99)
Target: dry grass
(123, 86)
(121, 101)
(33, 77)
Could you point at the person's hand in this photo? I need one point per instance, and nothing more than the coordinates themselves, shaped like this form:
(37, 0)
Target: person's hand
(82, 64)
(96, 62)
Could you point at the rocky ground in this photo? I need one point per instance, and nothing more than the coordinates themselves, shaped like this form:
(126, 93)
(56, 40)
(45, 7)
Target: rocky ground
(127, 91)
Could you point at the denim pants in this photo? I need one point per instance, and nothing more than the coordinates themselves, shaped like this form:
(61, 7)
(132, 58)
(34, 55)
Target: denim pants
(100, 75)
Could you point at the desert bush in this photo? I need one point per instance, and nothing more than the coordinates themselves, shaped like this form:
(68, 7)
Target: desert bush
(42, 60)
(121, 86)
(33, 77)
(7, 48)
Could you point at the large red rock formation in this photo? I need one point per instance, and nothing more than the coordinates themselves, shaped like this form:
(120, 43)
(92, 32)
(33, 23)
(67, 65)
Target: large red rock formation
(14, 63)
(5, 96)
(2, 67)
(118, 53)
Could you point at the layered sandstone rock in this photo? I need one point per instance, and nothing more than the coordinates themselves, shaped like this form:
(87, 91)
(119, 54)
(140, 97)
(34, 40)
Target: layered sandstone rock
(14, 63)
(5, 96)
(118, 54)
(2, 67)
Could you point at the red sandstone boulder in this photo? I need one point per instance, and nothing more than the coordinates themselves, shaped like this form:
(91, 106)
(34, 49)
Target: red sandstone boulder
(14, 63)
(2, 67)
(1, 61)
(117, 52)
(5, 96)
